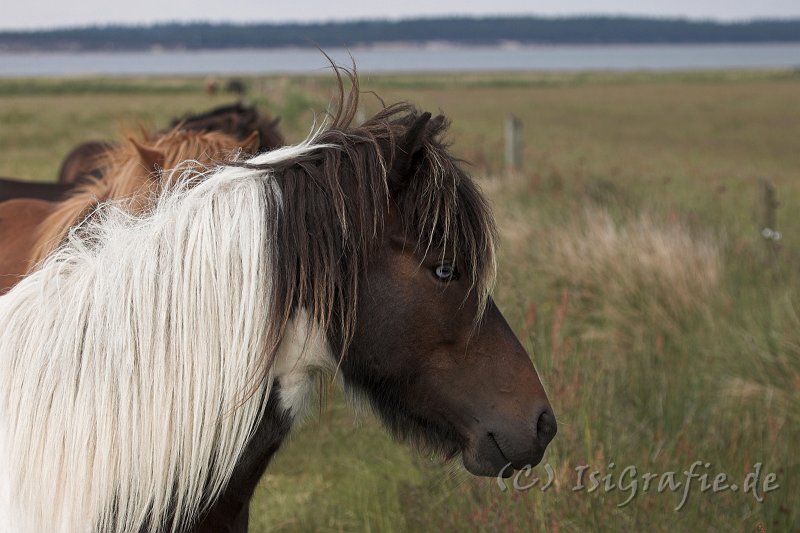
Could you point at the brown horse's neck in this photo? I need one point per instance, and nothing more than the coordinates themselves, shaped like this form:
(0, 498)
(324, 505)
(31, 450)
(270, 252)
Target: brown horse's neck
(229, 513)
(19, 231)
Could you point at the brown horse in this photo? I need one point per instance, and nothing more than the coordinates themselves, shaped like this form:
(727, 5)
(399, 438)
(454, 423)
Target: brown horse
(30, 228)
(239, 120)
(188, 340)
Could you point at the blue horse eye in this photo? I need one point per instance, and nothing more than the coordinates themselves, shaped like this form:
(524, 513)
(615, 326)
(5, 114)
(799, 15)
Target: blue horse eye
(445, 272)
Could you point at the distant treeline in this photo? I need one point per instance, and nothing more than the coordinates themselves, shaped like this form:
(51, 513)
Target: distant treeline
(465, 31)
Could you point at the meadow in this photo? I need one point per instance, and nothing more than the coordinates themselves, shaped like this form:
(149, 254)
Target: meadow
(665, 327)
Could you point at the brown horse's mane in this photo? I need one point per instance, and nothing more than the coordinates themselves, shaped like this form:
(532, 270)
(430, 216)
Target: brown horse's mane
(238, 119)
(337, 200)
(133, 171)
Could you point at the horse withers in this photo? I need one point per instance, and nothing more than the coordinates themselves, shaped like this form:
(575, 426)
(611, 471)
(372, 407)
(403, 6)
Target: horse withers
(188, 339)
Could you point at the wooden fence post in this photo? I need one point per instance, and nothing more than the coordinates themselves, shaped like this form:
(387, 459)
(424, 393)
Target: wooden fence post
(513, 144)
(769, 204)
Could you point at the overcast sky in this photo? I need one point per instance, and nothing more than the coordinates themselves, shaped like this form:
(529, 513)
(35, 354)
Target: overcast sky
(20, 14)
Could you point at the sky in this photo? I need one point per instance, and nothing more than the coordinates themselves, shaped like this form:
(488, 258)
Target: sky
(16, 14)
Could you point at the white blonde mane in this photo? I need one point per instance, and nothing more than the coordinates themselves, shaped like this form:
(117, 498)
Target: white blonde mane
(128, 361)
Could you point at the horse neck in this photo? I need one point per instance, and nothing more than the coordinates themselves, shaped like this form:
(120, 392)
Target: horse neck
(230, 511)
(54, 228)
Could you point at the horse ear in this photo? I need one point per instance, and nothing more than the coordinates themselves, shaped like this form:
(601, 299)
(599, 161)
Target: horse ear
(153, 159)
(252, 142)
(411, 143)
(407, 151)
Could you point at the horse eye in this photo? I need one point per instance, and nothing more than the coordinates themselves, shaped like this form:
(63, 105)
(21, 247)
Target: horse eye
(445, 272)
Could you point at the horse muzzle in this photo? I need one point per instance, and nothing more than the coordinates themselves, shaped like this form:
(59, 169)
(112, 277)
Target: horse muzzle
(503, 446)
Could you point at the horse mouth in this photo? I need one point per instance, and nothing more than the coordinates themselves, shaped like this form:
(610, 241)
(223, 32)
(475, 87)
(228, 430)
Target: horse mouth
(487, 458)
(505, 471)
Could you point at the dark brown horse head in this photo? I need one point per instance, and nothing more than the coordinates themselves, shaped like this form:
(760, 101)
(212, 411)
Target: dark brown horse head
(430, 350)
(390, 247)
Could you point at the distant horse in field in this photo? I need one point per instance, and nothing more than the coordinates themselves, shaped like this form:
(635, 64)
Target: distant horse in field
(239, 120)
(14, 188)
(31, 228)
(152, 365)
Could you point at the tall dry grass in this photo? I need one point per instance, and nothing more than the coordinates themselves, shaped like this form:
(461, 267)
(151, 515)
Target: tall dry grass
(632, 280)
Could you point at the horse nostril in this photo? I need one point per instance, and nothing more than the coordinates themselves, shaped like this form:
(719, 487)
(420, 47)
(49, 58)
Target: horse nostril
(546, 427)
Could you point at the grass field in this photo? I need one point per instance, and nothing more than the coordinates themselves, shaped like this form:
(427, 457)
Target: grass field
(631, 265)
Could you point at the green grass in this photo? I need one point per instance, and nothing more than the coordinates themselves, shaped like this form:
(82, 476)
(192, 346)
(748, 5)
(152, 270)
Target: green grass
(94, 86)
(649, 362)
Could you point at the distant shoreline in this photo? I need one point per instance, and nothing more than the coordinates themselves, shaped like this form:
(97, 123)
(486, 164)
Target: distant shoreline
(452, 31)
(401, 46)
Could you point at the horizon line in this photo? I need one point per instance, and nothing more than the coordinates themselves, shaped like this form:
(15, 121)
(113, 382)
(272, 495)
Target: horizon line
(411, 18)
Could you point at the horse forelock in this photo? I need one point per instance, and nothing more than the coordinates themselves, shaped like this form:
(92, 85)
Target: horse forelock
(336, 201)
